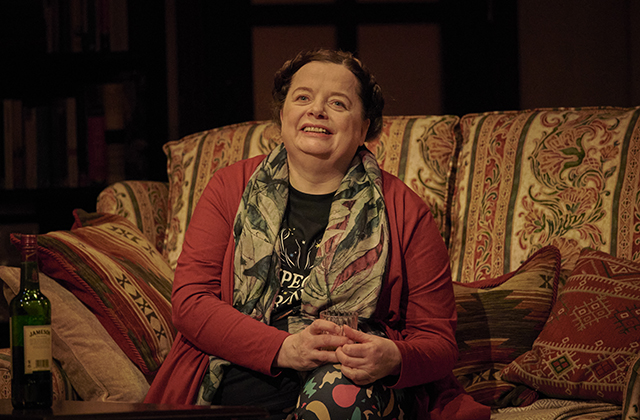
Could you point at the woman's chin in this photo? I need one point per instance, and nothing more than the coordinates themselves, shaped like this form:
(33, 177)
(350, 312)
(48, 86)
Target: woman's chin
(315, 149)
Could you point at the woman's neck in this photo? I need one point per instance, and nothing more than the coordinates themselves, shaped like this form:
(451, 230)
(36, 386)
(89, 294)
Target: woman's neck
(314, 177)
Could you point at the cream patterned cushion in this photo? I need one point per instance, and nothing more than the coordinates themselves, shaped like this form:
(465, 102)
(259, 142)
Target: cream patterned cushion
(192, 161)
(549, 176)
(143, 203)
(417, 149)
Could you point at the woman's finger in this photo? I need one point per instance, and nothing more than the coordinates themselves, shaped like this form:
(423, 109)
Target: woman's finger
(356, 335)
(322, 326)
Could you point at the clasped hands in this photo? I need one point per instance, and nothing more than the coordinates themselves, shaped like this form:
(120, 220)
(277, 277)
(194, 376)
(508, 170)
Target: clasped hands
(364, 358)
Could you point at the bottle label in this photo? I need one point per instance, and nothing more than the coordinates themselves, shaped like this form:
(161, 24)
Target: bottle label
(37, 348)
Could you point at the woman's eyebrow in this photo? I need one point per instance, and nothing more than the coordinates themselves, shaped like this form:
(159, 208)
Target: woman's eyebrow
(332, 94)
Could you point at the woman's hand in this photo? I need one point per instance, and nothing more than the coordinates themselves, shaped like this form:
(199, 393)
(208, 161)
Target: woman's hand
(307, 349)
(370, 357)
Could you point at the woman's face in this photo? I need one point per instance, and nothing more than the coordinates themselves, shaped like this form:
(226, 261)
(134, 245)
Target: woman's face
(322, 115)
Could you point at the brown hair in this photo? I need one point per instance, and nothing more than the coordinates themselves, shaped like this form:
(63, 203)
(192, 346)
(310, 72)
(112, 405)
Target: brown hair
(370, 92)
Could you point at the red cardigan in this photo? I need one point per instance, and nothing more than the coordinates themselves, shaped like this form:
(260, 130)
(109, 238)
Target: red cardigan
(416, 303)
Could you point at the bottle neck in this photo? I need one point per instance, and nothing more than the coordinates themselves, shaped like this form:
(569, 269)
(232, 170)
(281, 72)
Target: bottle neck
(29, 275)
(29, 263)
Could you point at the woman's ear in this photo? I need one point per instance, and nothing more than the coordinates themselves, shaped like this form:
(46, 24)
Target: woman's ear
(365, 128)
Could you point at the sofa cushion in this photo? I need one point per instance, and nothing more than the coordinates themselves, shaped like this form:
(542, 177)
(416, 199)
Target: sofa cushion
(417, 149)
(96, 367)
(567, 177)
(106, 262)
(592, 335)
(498, 320)
(192, 161)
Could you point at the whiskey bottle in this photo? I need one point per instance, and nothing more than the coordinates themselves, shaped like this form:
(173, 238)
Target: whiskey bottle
(30, 312)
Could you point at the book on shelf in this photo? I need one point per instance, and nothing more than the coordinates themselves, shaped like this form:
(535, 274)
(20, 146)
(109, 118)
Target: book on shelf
(68, 142)
(13, 144)
(86, 25)
(73, 176)
(30, 131)
(96, 141)
(115, 114)
(43, 157)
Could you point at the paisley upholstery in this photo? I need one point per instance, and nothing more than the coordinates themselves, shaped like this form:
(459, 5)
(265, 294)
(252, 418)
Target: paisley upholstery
(563, 177)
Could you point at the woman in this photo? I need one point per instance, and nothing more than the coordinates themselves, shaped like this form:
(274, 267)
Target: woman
(314, 225)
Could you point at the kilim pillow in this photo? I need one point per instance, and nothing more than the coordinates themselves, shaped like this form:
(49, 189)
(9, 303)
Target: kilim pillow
(417, 149)
(592, 335)
(106, 262)
(498, 320)
(567, 177)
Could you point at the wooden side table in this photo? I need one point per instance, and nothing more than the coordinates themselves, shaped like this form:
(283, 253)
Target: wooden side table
(85, 410)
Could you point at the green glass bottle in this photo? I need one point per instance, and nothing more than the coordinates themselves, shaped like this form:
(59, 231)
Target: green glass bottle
(30, 311)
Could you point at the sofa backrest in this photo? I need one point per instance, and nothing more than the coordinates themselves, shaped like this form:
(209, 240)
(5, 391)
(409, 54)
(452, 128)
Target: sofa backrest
(565, 177)
(417, 149)
(501, 185)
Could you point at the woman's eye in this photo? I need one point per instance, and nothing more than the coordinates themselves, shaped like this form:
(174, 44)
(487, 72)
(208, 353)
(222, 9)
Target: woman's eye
(339, 104)
(302, 98)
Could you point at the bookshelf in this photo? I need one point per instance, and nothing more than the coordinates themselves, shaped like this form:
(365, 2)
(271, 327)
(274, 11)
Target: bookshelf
(83, 97)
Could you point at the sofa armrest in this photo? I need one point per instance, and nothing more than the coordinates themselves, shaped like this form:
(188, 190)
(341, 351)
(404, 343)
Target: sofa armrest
(144, 203)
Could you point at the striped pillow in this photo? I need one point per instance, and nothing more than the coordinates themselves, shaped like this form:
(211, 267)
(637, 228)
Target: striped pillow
(498, 320)
(107, 263)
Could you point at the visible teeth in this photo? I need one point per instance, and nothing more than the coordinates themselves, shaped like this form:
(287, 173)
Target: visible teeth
(316, 130)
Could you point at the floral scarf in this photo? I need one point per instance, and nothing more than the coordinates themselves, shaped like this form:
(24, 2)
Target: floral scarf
(349, 265)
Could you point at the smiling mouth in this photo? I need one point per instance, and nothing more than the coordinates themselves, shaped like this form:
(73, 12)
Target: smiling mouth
(316, 130)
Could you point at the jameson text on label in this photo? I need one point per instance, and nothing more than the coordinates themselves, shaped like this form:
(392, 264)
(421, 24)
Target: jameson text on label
(37, 348)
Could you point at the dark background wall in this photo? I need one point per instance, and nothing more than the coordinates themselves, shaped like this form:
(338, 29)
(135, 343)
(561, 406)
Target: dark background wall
(451, 56)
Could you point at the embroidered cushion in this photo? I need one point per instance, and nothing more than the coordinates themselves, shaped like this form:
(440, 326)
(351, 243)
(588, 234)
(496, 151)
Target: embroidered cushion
(106, 262)
(566, 177)
(498, 320)
(416, 149)
(592, 335)
(96, 367)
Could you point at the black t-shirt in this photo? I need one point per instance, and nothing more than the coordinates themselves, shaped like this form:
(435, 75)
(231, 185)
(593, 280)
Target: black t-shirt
(304, 223)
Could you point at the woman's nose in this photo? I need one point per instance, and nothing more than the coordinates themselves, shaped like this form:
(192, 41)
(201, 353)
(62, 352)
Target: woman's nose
(317, 110)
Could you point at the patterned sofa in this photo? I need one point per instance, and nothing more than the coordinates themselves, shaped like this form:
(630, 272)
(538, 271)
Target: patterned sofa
(540, 211)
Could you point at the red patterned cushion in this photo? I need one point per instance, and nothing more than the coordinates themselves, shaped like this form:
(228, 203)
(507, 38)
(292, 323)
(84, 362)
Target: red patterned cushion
(107, 263)
(498, 320)
(592, 335)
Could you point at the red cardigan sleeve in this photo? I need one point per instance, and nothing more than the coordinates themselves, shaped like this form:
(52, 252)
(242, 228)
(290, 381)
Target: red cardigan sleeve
(417, 303)
(203, 281)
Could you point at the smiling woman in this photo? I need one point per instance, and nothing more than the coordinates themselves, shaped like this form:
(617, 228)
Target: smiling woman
(322, 126)
(315, 225)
